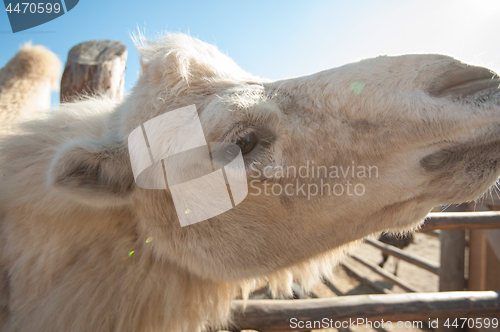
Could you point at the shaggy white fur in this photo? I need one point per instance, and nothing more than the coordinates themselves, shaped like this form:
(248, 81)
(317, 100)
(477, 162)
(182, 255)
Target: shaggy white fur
(25, 84)
(71, 213)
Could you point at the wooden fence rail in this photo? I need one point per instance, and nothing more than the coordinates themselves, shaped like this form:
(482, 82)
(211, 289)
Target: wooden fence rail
(410, 258)
(386, 275)
(462, 220)
(276, 315)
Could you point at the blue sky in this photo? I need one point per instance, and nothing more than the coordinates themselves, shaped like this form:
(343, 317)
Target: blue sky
(279, 39)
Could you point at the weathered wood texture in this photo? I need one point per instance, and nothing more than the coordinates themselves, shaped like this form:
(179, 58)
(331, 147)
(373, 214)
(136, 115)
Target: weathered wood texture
(484, 257)
(275, 315)
(359, 275)
(410, 258)
(462, 220)
(452, 266)
(95, 67)
(452, 260)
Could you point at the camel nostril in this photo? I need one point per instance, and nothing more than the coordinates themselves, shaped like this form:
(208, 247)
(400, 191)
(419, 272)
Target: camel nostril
(464, 81)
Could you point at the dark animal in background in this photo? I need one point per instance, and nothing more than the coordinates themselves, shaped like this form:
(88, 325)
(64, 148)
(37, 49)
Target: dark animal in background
(400, 241)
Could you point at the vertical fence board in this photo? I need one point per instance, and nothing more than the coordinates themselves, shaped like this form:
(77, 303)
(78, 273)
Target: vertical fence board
(451, 271)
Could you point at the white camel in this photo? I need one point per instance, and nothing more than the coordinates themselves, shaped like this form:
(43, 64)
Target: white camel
(71, 214)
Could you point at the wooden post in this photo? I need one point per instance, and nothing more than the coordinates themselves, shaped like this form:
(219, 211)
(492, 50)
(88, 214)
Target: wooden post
(95, 67)
(478, 260)
(452, 262)
(484, 257)
(452, 266)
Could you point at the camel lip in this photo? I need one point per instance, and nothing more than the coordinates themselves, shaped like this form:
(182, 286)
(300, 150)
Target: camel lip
(439, 159)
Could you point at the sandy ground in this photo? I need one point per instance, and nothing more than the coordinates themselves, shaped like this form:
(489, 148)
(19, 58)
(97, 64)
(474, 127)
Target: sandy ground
(346, 283)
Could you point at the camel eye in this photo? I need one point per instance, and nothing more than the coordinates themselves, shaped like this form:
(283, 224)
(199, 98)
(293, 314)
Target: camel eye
(247, 142)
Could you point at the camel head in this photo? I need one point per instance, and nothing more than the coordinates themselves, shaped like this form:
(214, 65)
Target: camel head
(330, 158)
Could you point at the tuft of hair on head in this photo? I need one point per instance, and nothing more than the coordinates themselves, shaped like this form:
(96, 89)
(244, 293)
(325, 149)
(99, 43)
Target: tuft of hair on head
(188, 57)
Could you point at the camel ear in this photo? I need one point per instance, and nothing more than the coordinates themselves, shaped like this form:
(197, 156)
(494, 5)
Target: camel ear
(94, 172)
